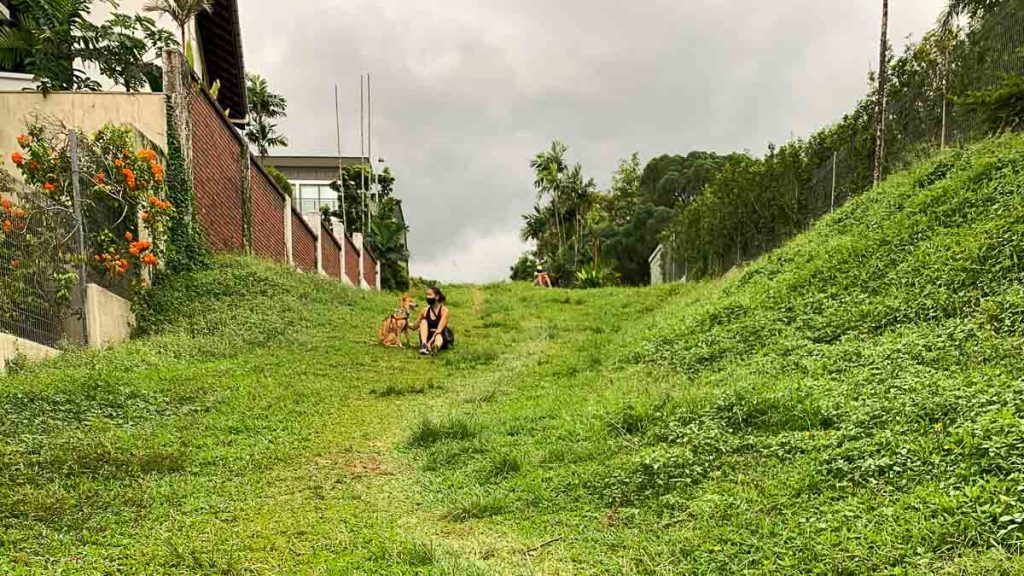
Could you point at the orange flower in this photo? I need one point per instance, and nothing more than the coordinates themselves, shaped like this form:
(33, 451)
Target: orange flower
(100, 178)
(15, 263)
(33, 165)
(7, 204)
(18, 213)
(128, 236)
(17, 158)
(147, 155)
(145, 215)
(98, 258)
(49, 187)
(119, 163)
(150, 260)
(23, 140)
(129, 178)
(134, 251)
(154, 201)
(8, 226)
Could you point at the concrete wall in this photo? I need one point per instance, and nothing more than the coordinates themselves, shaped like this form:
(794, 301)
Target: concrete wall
(11, 347)
(109, 317)
(87, 111)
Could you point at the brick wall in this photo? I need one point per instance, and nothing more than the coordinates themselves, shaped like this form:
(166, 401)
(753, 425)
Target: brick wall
(267, 217)
(216, 151)
(217, 157)
(351, 262)
(303, 244)
(370, 268)
(331, 253)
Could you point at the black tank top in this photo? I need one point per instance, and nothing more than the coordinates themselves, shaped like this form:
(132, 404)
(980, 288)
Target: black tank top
(433, 323)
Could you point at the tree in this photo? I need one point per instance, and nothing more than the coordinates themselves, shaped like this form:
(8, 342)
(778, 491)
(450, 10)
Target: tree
(264, 106)
(181, 11)
(387, 240)
(883, 78)
(524, 268)
(128, 49)
(47, 39)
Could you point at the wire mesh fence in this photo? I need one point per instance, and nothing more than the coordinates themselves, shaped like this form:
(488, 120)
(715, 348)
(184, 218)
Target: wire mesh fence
(42, 261)
(73, 219)
(923, 102)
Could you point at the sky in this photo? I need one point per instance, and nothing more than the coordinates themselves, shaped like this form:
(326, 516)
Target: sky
(465, 92)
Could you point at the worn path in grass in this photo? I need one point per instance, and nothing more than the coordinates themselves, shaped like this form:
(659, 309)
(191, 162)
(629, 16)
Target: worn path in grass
(850, 404)
(251, 434)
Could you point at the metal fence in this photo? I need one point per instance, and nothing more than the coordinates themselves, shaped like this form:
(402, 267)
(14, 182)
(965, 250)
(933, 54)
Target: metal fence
(43, 261)
(922, 114)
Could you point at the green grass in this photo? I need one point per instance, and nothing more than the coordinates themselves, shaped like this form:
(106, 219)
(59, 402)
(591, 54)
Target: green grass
(850, 404)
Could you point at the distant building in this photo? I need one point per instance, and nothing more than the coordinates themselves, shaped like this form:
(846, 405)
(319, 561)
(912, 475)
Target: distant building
(311, 178)
(665, 268)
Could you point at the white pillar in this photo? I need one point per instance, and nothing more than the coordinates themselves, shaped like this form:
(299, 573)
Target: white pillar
(378, 274)
(339, 235)
(313, 219)
(288, 230)
(357, 239)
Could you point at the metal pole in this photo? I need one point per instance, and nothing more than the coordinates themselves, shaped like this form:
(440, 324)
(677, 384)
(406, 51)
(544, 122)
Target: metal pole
(835, 160)
(945, 96)
(76, 188)
(369, 136)
(341, 171)
(362, 150)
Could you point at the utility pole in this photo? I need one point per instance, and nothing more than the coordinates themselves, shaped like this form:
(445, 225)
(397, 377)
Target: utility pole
(341, 171)
(883, 80)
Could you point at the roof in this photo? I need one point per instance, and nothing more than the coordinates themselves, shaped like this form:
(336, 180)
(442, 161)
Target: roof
(220, 40)
(311, 161)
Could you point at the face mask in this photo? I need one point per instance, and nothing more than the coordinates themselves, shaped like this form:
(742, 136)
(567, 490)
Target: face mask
(431, 301)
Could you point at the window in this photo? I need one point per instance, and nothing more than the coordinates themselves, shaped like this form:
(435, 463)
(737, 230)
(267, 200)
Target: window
(313, 196)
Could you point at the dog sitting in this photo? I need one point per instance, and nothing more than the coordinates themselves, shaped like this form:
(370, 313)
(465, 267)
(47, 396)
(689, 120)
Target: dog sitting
(394, 327)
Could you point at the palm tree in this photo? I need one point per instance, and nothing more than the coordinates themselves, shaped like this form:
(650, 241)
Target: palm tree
(971, 8)
(549, 167)
(181, 11)
(264, 106)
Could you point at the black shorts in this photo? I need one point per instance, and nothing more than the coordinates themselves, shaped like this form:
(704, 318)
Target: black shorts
(447, 338)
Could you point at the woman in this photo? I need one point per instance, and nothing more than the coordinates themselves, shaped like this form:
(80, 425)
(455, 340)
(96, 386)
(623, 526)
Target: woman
(435, 334)
(541, 278)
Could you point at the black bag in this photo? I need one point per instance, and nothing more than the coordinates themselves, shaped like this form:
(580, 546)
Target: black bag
(448, 336)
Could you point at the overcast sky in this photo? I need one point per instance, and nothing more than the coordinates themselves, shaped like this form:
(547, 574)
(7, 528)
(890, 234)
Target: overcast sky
(466, 91)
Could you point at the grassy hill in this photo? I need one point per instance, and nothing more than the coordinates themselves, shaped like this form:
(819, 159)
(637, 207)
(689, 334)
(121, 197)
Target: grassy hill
(850, 404)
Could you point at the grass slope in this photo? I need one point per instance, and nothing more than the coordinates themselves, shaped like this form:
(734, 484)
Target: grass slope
(850, 404)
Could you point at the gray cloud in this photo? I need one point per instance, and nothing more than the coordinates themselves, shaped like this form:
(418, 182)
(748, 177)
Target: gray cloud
(466, 91)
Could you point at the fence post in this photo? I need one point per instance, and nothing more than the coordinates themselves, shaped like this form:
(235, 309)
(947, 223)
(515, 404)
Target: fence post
(76, 188)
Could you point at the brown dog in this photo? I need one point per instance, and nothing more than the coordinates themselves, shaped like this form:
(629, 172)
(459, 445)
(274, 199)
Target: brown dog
(397, 325)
